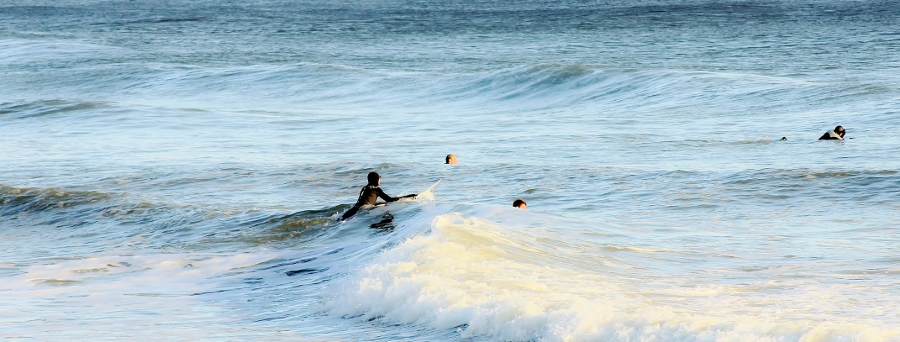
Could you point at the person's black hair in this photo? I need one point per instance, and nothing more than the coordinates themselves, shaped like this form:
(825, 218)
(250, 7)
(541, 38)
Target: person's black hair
(373, 178)
(518, 202)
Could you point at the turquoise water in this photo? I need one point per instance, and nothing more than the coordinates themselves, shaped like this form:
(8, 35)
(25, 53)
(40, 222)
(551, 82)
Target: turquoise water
(173, 170)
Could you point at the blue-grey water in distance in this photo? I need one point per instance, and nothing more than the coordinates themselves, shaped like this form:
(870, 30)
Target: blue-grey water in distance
(173, 170)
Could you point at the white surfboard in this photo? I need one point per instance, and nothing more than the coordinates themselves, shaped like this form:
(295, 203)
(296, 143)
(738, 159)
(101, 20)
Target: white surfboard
(428, 193)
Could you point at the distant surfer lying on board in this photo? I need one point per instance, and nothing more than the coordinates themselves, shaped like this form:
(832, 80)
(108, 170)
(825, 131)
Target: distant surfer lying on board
(836, 134)
(369, 194)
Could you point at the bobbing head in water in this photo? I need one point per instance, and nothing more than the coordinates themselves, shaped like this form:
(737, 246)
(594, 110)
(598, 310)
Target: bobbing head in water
(518, 203)
(840, 131)
(451, 159)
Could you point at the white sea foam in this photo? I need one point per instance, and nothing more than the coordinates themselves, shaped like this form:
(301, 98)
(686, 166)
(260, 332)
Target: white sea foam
(119, 296)
(471, 274)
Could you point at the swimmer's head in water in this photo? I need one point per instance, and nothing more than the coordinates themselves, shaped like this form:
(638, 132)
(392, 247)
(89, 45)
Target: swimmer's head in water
(840, 131)
(451, 159)
(518, 203)
(374, 178)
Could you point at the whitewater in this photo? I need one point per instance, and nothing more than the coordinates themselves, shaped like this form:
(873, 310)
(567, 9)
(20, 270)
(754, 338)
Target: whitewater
(175, 170)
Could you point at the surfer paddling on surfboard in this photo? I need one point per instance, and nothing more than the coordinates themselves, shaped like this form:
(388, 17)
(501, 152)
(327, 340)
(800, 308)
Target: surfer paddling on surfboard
(836, 134)
(369, 194)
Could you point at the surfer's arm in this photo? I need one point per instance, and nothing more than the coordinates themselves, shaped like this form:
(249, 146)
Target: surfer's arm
(389, 199)
(385, 196)
(349, 213)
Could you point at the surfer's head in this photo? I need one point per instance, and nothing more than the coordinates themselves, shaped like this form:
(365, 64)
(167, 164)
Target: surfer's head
(840, 131)
(518, 203)
(451, 159)
(374, 178)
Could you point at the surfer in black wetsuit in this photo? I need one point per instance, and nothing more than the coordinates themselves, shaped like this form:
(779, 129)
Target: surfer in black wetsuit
(836, 134)
(369, 194)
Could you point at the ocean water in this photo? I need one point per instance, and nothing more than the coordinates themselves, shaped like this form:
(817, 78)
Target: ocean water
(173, 170)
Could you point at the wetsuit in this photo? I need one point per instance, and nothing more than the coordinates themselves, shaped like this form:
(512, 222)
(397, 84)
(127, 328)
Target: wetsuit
(367, 196)
(831, 135)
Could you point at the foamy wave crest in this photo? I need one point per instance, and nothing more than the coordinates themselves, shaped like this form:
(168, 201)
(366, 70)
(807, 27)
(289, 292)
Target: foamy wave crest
(473, 276)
